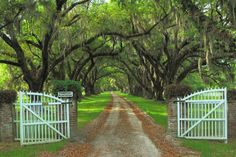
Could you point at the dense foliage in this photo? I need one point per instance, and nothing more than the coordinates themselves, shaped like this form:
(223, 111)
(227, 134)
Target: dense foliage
(176, 90)
(66, 85)
(231, 94)
(136, 46)
(8, 96)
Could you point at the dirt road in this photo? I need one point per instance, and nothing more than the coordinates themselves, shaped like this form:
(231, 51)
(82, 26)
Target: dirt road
(122, 130)
(122, 135)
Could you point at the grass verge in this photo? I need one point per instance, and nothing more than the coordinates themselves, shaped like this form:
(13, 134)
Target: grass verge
(157, 110)
(90, 107)
(14, 150)
(212, 148)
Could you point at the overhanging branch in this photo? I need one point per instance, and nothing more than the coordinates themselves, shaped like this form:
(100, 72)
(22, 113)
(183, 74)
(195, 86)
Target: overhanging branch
(73, 5)
(10, 63)
(90, 40)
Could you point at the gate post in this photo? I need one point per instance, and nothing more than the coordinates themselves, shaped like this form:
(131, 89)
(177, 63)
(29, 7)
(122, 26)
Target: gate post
(73, 117)
(232, 113)
(172, 118)
(71, 97)
(171, 93)
(7, 98)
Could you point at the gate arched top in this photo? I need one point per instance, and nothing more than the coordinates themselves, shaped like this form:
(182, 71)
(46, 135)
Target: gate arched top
(209, 93)
(43, 96)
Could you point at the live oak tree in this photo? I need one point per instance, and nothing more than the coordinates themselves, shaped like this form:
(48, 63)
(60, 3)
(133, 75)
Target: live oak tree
(105, 76)
(34, 36)
(80, 67)
(164, 41)
(45, 33)
(180, 46)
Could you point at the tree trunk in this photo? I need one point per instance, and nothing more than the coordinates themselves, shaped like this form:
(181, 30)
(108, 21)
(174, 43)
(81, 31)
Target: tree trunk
(159, 94)
(89, 88)
(35, 85)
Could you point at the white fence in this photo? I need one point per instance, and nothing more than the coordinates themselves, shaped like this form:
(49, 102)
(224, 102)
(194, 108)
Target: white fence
(203, 115)
(41, 118)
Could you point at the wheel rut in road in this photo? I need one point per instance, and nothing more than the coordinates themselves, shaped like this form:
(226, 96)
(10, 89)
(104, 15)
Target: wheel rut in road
(122, 135)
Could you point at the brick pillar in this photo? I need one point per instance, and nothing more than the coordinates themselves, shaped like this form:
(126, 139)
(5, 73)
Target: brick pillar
(73, 118)
(73, 109)
(172, 118)
(6, 122)
(231, 118)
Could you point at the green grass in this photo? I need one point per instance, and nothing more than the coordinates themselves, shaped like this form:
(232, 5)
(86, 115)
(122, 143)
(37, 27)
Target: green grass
(157, 110)
(212, 148)
(90, 107)
(30, 151)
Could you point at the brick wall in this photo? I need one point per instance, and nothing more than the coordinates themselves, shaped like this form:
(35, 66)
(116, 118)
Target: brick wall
(6, 122)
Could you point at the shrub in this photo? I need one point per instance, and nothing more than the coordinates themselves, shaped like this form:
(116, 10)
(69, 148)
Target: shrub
(231, 94)
(66, 85)
(176, 90)
(8, 96)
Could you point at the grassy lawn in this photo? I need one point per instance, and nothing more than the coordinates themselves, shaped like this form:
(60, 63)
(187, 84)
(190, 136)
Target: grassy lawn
(90, 107)
(14, 150)
(158, 111)
(211, 148)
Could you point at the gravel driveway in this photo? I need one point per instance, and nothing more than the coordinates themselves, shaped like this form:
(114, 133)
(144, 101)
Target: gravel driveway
(122, 135)
(122, 130)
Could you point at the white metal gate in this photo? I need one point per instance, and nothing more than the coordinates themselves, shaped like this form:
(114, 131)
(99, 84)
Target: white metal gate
(41, 118)
(203, 115)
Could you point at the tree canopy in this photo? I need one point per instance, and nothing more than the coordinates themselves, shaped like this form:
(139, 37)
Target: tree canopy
(138, 46)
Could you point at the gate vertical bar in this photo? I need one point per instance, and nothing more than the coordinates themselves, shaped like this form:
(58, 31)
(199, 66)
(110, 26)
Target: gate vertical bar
(226, 115)
(21, 119)
(68, 118)
(178, 116)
